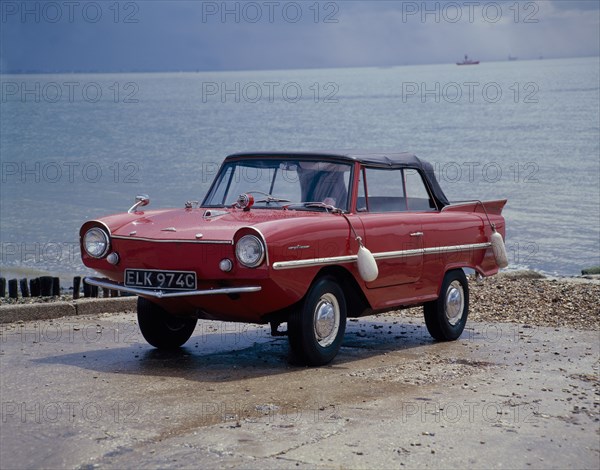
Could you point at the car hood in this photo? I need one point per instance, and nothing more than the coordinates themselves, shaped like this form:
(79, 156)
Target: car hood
(201, 223)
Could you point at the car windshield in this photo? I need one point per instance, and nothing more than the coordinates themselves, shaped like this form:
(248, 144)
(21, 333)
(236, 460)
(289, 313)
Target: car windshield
(278, 183)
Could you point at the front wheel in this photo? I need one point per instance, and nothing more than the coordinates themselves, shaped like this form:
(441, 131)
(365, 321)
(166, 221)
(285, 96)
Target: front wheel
(446, 317)
(161, 329)
(317, 328)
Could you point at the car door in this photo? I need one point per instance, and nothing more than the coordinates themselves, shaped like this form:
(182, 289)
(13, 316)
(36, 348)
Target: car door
(391, 206)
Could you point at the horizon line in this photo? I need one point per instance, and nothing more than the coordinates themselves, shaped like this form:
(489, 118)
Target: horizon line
(92, 71)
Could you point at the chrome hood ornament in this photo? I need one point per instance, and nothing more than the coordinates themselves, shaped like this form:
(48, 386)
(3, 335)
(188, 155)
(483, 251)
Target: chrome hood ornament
(191, 204)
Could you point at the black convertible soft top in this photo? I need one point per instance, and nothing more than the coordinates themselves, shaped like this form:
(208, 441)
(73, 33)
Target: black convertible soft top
(381, 159)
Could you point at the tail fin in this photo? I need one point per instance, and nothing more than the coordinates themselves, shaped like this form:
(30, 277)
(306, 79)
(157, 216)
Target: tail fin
(491, 207)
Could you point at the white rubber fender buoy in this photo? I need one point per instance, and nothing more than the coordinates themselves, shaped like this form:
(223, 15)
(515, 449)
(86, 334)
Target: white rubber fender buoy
(499, 250)
(367, 266)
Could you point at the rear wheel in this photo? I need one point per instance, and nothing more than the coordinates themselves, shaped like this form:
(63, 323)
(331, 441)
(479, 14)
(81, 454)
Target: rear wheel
(317, 328)
(446, 317)
(161, 329)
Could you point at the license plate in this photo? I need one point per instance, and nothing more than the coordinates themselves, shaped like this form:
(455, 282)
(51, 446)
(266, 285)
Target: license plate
(155, 279)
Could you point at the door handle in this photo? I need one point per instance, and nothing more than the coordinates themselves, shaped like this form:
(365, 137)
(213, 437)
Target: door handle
(416, 234)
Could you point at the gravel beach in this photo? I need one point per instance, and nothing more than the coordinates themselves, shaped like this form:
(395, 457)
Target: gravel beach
(573, 303)
(527, 297)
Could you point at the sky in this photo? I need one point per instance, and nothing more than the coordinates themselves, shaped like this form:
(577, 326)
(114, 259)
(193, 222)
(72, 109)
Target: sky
(154, 35)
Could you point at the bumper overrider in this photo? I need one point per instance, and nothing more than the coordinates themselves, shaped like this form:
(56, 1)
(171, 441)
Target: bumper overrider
(163, 294)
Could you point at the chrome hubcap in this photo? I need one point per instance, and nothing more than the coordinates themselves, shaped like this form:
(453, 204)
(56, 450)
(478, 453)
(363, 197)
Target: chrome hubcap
(454, 302)
(326, 320)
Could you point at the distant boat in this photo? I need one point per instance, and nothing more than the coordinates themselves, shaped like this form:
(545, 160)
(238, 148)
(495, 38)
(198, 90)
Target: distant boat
(468, 61)
(510, 57)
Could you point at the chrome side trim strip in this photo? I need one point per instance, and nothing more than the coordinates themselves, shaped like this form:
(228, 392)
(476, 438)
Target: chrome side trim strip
(161, 294)
(152, 240)
(398, 254)
(301, 263)
(383, 255)
(450, 249)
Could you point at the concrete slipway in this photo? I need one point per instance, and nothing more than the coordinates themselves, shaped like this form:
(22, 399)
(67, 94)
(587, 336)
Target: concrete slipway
(87, 391)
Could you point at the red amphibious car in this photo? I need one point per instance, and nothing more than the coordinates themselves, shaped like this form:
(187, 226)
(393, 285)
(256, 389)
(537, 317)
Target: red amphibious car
(302, 238)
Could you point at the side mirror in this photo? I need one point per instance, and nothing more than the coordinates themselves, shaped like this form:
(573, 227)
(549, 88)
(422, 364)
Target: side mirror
(140, 201)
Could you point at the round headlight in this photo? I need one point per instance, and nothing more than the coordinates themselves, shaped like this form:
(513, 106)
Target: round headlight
(250, 251)
(96, 243)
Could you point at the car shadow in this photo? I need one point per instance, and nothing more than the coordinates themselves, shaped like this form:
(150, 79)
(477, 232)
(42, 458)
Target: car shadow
(227, 357)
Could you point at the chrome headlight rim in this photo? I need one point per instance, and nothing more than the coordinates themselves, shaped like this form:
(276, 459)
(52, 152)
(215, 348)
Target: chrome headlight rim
(240, 246)
(103, 235)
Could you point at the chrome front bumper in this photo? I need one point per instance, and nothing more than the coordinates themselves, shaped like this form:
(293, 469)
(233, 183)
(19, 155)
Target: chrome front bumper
(161, 294)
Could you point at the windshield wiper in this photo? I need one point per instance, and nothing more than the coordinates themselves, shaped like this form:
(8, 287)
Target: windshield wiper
(272, 199)
(269, 197)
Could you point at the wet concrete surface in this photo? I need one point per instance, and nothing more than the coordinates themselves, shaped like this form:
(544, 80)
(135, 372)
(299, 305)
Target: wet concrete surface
(85, 392)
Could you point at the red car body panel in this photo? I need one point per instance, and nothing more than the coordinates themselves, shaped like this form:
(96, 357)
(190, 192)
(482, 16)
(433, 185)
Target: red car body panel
(413, 251)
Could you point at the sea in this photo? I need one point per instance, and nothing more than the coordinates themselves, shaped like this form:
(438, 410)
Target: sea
(78, 146)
